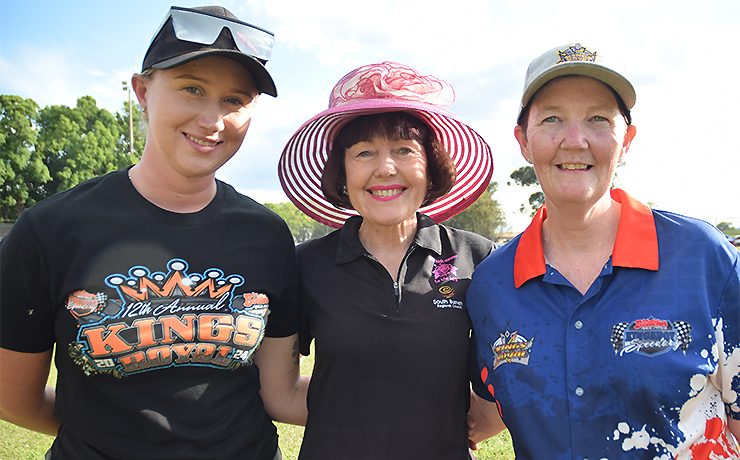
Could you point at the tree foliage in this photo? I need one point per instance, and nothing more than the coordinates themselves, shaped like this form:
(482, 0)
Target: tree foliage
(726, 227)
(47, 151)
(81, 143)
(526, 177)
(22, 170)
(483, 217)
(301, 226)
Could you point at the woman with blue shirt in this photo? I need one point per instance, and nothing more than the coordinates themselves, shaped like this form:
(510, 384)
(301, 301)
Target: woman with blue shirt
(600, 333)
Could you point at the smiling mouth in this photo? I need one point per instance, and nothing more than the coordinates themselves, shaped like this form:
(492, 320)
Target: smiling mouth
(574, 167)
(386, 193)
(202, 142)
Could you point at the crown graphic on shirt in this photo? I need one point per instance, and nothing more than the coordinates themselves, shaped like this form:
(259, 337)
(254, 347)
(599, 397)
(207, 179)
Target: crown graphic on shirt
(141, 284)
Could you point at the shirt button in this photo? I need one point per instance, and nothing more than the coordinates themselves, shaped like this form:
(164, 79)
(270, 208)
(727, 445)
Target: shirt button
(579, 391)
(578, 324)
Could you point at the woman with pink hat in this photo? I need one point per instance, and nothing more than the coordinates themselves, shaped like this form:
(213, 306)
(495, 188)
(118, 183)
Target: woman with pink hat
(383, 297)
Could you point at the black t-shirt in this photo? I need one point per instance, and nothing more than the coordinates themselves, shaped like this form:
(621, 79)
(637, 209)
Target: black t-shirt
(155, 316)
(391, 374)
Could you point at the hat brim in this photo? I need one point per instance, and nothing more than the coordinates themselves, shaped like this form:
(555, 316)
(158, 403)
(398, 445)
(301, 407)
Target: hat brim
(261, 76)
(302, 161)
(587, 69)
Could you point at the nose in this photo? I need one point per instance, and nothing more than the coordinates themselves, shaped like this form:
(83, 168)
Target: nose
(212, 117)
(574, 137)
(386, 164)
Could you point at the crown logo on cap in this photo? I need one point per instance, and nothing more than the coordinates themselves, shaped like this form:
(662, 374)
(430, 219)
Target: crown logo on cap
(576, 53)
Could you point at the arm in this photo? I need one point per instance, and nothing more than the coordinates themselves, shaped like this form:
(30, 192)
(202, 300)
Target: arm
(484, 420)
(283, 389)
(734, 426)
(25, 399)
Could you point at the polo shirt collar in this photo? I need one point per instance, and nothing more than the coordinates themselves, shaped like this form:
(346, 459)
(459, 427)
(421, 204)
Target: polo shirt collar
(636, 245)
(350, 247)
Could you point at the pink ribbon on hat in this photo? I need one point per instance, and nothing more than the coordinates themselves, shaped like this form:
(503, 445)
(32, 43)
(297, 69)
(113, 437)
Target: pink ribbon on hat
(390, 80)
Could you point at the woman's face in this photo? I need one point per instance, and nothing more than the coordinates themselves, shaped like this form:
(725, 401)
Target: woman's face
(575, 139)
(386, 179)
(198, 114)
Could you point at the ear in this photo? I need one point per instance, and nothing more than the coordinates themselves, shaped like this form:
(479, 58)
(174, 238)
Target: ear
(139, 85)
(521, 137)
(628, 136)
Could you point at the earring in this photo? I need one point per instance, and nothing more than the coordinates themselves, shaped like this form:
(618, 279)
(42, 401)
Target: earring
(344, 190)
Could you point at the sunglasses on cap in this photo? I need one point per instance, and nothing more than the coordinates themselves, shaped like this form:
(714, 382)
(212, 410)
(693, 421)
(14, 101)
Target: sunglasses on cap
(204, 28)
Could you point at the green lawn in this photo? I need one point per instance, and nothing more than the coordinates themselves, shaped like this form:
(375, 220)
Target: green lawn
(20, 444)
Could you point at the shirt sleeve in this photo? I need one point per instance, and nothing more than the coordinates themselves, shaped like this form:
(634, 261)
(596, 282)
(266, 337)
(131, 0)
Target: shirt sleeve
(26, 311)
(727, 330)
(283, 319)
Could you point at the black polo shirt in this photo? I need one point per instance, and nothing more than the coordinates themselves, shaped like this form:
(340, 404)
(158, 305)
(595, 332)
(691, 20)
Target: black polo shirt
(391, 374)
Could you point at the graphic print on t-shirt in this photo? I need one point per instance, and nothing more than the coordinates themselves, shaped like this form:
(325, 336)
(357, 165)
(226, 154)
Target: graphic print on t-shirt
(168, 319)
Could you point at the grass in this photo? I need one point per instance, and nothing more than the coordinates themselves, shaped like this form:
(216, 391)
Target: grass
(20, 444)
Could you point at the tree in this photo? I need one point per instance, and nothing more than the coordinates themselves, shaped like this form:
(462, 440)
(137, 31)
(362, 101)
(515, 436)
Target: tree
(301, 226)
(726, 227)
(81, 143)
(483, 217)
(22, 170)
(525, 177)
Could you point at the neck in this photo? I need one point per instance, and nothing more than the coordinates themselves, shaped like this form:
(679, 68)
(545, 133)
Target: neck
(578, 244)
(574, 226)
(388, 244)
(170, 191)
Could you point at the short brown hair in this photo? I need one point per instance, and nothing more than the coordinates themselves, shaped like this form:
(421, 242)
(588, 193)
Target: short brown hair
(441, 171)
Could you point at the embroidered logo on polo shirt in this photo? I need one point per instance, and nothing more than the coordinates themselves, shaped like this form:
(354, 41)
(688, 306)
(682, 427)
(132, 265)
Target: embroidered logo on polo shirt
(444, 270)
(651, 337)
(511, 347)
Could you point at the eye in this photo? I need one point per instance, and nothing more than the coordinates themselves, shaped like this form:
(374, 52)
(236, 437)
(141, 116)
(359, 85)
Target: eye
(235, 101)
(194, 90)
(550, 119)
(599, 118)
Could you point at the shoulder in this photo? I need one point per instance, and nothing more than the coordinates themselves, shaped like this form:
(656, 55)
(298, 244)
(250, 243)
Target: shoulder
(319, 246)
(93, 190)
(249, 207)
(464, 242)
(676, 230)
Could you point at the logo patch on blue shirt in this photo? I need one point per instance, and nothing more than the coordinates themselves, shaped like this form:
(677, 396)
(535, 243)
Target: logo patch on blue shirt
(511, 347)
(651, 337)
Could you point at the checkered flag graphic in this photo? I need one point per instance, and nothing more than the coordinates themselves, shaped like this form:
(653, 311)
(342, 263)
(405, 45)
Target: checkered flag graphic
(101, 298)
(683, 330)
(618, 336)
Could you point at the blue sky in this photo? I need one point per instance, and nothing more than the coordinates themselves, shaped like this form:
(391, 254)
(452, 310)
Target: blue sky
(683, 57)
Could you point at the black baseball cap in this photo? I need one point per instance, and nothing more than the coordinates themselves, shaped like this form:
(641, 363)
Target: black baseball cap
(187, 34)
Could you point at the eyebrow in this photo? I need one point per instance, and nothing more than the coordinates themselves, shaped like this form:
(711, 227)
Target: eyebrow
(599, 107)
(187, 76)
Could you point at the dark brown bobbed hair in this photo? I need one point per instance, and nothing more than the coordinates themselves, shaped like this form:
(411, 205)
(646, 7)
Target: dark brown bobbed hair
(441, 171)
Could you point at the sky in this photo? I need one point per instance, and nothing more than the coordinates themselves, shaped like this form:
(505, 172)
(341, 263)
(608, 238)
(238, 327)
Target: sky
(682, 56)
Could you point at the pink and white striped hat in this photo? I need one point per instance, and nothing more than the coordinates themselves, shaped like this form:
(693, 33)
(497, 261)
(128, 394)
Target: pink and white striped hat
(378, 88)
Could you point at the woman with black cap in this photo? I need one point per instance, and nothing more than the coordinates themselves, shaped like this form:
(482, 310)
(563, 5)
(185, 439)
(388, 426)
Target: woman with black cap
(158, 284)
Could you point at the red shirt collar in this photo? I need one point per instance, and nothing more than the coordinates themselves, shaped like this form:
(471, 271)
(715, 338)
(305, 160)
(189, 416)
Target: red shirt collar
(636, 245)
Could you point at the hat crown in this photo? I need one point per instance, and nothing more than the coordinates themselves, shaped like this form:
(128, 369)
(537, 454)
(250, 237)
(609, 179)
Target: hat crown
(390, 80)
